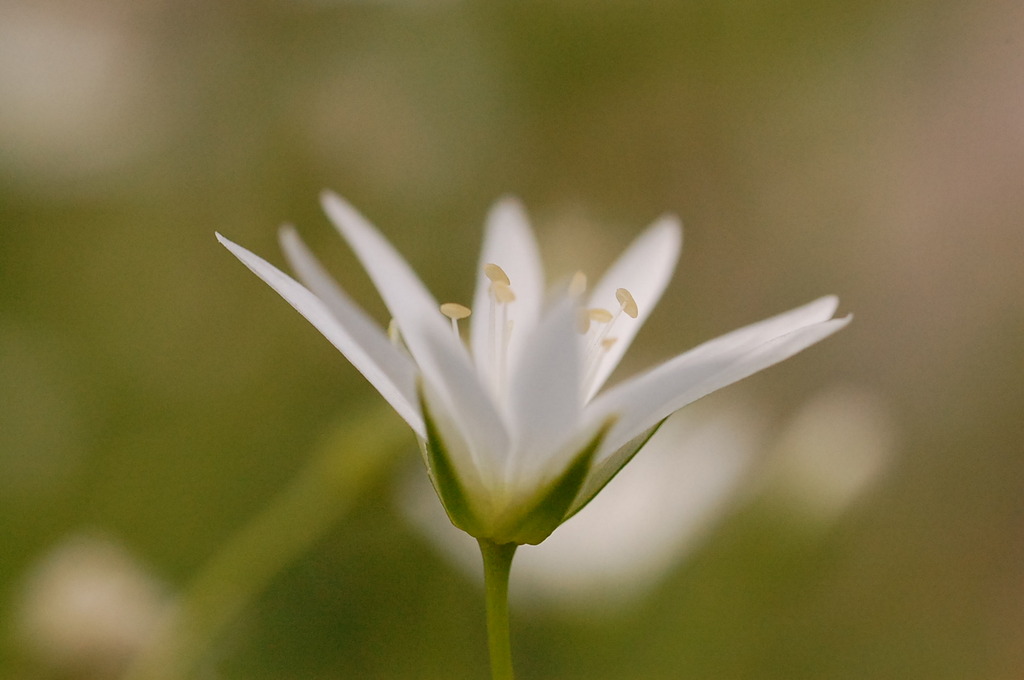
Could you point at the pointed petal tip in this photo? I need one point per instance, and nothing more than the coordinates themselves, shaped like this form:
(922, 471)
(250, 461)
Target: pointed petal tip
(668, 220)
(508, 201)
(340, 212)
(238, 251)
(670, 224)
(506, 209)
(828, 302)
(332, 202)
(287, 234)
(667, 232)
(327, 196)
(816, 311)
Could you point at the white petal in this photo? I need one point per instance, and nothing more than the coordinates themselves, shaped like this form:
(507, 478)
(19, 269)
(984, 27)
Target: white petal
(450, 375)
(405, 296)
(648, 398)
(816, 311)
(365, 333)
(545, 395)
(347, 328)
(510, 244)
(476, 480)
(644, 269)
(436, 350)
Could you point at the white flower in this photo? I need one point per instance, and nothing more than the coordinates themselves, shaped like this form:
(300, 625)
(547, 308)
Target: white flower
(88, 606)
(516, 431)
(833, 452)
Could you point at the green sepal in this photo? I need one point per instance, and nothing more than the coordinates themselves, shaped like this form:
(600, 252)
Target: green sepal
(608, 468)
(551, 502)
(443, 476)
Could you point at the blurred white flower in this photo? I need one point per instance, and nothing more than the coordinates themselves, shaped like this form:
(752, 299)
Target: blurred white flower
(78, 92)
(648, 519)
(701, 464)
(87, 607)
(836, 447)
(516, 432)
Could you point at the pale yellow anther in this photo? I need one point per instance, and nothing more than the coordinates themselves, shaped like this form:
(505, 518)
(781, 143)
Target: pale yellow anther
(393, 334)
(502, 292)
(607, 343)
(599, 315)
(582, 321)
(455, 311)
(496, 274)
(627, 302)
(577, 284)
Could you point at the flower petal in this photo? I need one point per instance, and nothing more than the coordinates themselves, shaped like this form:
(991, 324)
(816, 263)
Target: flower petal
(510, 244)
(405, 296)
(815, 311)
(648, 398)
(345, 326)
(449, 375)
(545, 398)
(438, 352)
(644, 269)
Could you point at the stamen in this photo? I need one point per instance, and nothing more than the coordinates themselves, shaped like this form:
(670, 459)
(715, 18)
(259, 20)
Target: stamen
(600, 342)
(455, 311)
(502, 292)
(496, 274)
(582, 321)
(577, 284)
(393, 334)
(497, 317)
(503, 361)
(627, 302)
(603, 317)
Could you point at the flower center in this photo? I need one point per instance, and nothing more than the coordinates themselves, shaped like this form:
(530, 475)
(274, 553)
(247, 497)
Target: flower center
(595, 324)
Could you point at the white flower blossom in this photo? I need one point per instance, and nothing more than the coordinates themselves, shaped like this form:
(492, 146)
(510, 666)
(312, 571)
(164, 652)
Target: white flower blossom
(88, 607)
(516, 430)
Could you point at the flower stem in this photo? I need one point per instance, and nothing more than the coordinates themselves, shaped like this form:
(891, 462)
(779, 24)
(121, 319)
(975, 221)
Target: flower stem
(497, 564)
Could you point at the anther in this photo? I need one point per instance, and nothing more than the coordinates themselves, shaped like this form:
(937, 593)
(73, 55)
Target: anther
(627, 302)
(393, 334)
(599, 315)
(502, 291)
(455, 311)
(577, 284)
(496, 274)
(607, 343)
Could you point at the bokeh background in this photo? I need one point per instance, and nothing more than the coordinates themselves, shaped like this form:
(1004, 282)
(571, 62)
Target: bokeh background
(154, 395)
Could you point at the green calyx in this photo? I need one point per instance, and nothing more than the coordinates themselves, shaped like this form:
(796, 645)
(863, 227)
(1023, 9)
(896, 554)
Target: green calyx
(447, 485)
(548, 507)
(603, 473)
(528, 521)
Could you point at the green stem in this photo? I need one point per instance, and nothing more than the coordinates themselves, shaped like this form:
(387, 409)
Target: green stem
(349, 461)
(497, 565)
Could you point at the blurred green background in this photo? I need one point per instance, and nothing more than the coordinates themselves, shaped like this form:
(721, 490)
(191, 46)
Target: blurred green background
(154, 392)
